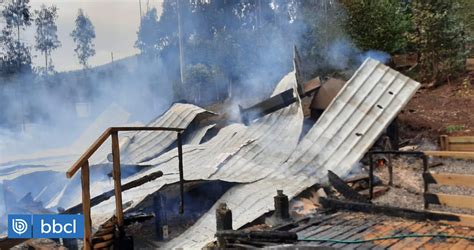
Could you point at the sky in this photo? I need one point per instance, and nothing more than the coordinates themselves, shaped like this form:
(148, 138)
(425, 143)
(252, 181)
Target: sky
(116, 24)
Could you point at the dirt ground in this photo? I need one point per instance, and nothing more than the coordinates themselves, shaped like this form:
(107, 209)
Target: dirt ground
(407, 189)
(447, 109)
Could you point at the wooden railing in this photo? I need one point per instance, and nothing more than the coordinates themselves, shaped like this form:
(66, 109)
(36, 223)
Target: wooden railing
(447, 179)
(83, 165)
(457, 143)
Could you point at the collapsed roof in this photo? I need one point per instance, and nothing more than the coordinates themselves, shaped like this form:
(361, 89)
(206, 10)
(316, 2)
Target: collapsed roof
(264, 156)
(267, 155)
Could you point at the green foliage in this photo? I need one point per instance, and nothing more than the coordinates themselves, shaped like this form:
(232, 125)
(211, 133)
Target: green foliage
(46, 34)
(325, 22)
(147, 34)
(201, 83)
(466, 13)
(439, 38)
(83, 34)
(378, 25)
(454, 128)
(16, 56)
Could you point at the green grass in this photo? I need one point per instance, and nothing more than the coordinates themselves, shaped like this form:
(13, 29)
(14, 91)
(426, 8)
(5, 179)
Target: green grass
(454, 128)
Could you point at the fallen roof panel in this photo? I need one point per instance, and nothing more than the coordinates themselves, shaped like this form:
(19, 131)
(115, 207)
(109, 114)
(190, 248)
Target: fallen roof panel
(146, 145)
(330, 145)
(267, 156)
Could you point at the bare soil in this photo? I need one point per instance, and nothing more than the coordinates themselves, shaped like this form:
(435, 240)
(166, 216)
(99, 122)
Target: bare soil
(447, 109)
(407, 189)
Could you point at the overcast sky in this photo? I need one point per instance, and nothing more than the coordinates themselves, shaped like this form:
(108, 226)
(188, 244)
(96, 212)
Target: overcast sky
(116, 23)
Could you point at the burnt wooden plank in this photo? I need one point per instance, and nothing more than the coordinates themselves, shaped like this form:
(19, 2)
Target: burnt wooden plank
(105, 196)
(410, 230)
(327, 225)
(418, 242)
(355, 232)
(336, 230)
(402, 229)
(314, 222)
(463, 243)
(447, 242)
(338, 233)
(450, 218)
(382, 230)
(346, 191)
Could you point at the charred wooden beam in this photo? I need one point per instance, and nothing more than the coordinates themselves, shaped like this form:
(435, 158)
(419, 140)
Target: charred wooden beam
(282, 206)
(300, 78)
(223, 222)
(267, 106)
(223, 217)
(267, 236)
(346, 191)
(105, 196)
(412, 214)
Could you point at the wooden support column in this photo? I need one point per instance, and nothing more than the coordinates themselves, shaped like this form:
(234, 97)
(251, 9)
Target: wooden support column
(444, 143)
(181, 173)
(86, 205)
(117, 179)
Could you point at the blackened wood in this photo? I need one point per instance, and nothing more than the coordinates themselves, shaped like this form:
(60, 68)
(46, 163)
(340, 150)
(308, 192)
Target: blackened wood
(344, 189)
(105, 196)
(282, 205)
(223, 218)
(387, 210)
(267, 106)
(269, 236)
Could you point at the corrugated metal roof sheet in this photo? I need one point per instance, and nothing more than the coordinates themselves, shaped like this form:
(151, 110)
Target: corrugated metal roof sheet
(366, 105)
(267, 156)
(197, 135)
(356, 117)
(145, 145)
(237, 153)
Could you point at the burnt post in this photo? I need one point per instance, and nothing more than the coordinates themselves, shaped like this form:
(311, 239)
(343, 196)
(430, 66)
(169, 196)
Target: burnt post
(161, 219)
(282, 206)
(371, 177)
(426, 184)
(223, 222)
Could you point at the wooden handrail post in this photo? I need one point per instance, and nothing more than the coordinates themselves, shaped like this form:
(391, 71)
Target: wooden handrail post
(444, 143)
(117, 179)
(86, 205)
(181, 173)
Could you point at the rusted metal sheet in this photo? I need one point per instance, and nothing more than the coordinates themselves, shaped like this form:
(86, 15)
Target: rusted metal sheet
(326, 93)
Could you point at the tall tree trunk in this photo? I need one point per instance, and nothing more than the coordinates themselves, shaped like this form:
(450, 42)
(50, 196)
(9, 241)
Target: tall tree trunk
(46, 60)
(18, 47)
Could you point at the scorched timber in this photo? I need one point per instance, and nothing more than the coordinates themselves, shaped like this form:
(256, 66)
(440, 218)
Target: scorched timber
(105, 196)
